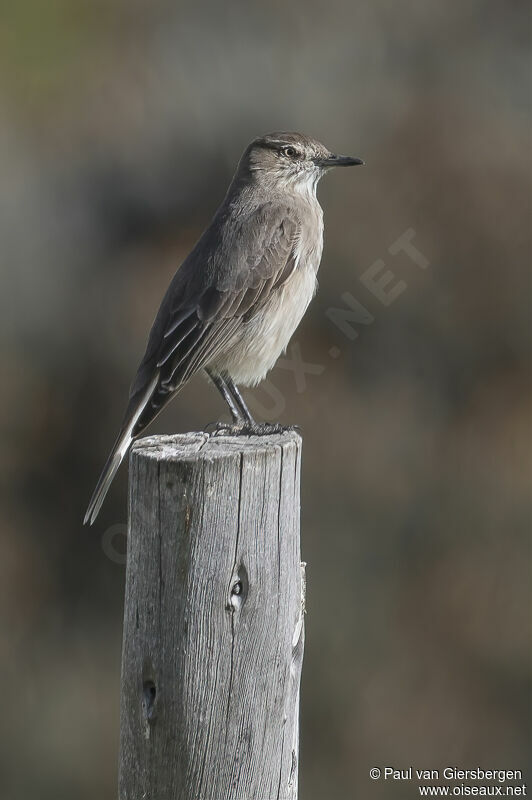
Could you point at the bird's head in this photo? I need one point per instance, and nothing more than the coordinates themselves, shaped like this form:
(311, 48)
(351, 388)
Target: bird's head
(290, 161)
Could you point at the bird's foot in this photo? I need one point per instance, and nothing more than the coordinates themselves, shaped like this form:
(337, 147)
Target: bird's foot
(267, 428)
(223, 428)
(249, 428)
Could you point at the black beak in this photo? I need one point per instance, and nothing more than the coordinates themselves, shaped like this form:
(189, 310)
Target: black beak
(337, 161)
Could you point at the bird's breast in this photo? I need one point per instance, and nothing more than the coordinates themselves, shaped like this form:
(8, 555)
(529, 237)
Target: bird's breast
(265, 336)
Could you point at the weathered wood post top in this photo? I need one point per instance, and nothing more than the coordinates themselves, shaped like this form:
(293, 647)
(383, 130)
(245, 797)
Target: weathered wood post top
(213, 619)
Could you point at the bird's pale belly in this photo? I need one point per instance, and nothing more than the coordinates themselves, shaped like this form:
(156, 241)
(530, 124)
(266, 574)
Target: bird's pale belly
(261, 341)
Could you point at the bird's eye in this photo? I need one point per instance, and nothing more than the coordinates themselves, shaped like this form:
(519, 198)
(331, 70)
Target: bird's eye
(290, 152)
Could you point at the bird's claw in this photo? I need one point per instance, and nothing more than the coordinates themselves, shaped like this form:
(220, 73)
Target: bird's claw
(249, 428)
(224, 428)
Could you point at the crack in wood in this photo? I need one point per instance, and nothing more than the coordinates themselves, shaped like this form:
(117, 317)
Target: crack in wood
(235, 567)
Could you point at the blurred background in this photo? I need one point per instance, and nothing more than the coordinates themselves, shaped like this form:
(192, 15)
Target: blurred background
(121, 124)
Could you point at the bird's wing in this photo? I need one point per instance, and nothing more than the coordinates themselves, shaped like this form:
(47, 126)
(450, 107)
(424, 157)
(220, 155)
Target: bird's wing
(198, 322)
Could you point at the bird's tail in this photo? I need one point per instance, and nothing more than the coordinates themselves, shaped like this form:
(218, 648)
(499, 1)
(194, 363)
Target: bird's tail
(116, 456)
(104, 481)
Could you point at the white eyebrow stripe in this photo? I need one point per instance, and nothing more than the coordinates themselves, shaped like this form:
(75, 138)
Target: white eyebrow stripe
(281, 143)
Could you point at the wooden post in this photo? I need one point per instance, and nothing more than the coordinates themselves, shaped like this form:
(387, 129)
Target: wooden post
(213, 620)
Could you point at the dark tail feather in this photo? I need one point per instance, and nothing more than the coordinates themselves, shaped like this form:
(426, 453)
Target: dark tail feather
(120, 448)
(106, 478)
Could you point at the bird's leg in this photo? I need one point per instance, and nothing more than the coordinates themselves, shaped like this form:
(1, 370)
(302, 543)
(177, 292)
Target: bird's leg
(221, 385)
(240, 402)
(250, 426)
(224, 390)
(243, 422)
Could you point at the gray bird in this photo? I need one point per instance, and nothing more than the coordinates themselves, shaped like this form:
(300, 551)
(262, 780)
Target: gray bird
(239, 296)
